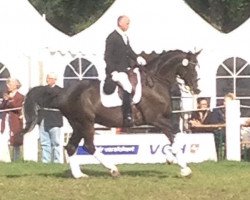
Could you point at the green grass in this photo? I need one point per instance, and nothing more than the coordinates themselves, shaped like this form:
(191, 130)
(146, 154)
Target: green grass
(210, 180)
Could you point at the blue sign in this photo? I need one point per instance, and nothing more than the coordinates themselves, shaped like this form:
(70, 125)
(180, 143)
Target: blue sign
(112, 149)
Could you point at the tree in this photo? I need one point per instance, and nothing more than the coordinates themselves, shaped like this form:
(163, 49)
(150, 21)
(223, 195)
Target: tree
(70, 16)
(224, 15)
(74, 16)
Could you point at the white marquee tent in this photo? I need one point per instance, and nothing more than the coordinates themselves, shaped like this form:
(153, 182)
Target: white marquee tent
(29, 44)
(164, 25)
(25, 35)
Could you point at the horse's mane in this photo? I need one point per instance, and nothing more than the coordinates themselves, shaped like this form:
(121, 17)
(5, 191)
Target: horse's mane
(165, 59)
(168, 55)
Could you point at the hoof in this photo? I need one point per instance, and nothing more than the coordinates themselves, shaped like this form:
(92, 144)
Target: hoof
(169, 162)
(115, 173)
(70, 149)
(81, 175)
(186, 172)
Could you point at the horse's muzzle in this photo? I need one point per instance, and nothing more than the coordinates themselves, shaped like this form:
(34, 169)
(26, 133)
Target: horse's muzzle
(196, 91)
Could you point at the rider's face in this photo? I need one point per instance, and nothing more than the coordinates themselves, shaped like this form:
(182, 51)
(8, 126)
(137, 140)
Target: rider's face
(124, 24)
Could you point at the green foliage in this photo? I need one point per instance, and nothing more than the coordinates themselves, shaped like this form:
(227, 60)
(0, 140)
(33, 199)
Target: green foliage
(70, 16)
(237, 12)
(225, 15)
(210, 180)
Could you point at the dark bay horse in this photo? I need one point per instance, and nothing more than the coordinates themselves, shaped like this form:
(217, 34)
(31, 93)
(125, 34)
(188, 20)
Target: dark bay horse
(82, 106)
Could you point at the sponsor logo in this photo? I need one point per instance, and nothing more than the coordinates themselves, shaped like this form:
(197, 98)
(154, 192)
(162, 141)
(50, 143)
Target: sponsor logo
(194, 148)
(154, 149)
(112, 149)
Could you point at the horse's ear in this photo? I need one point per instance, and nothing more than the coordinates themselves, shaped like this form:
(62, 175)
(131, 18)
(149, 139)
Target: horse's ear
(197, 53)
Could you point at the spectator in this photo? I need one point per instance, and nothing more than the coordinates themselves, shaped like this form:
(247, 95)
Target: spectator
(202, 116)
(12, 102)
(218, 116)
(50, 122)
(216, 120)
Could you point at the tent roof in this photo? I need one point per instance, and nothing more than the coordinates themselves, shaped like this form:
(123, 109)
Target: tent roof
(23, 28)
(155, 25)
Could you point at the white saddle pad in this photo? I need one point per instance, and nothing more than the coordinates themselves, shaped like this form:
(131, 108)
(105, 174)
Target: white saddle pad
(113, 100)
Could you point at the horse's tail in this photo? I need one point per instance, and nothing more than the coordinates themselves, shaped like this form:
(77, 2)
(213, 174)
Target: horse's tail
(36, 98)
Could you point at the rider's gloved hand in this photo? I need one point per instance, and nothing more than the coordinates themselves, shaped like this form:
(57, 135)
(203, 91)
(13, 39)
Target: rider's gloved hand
(141, 61)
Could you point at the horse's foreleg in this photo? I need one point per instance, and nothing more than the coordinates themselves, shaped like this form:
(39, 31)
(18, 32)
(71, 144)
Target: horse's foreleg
(177, 150)
(175, 154)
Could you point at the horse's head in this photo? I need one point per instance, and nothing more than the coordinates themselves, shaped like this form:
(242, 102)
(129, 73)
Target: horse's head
(187, 71)
(167, 65)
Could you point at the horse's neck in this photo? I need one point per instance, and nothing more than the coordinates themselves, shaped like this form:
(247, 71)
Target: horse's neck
(164, 74)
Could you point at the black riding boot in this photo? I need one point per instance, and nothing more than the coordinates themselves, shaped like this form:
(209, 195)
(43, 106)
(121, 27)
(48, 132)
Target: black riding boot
(127, 110)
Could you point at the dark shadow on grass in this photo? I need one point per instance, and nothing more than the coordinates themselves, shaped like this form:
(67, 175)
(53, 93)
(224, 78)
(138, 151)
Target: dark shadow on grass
(67, 174)
(17, 176)
(145, 173)
(103, 174)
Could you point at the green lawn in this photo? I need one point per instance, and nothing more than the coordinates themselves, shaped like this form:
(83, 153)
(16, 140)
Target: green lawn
(210, 180)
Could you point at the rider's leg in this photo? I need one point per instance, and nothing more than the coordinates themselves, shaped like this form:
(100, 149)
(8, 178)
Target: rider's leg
(127, 110)
(123, 80)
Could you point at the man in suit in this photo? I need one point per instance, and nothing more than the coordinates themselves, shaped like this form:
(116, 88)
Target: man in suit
(118, 57)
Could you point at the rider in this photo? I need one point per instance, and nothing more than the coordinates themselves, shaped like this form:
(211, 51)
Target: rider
(118, 56)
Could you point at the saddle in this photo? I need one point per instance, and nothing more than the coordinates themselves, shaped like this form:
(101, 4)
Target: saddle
(111, 92)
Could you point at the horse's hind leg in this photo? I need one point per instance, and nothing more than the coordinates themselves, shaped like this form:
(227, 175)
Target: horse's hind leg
(89, 146)
(87, 132)
(75, 138)
(71, 149)
(75, 167)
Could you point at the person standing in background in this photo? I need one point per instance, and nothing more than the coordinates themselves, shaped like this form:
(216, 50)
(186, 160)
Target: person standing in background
(12, 102)
(50, 122)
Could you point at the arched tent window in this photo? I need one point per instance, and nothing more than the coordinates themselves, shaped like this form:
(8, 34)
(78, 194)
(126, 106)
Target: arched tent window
(233, 75)
(4, 75)
(79, 69)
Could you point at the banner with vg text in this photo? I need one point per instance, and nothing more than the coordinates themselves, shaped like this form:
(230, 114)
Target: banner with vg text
(148, 148)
